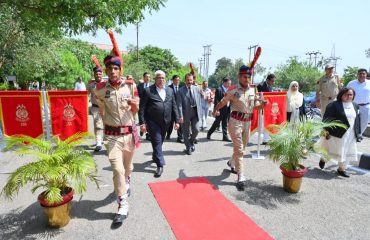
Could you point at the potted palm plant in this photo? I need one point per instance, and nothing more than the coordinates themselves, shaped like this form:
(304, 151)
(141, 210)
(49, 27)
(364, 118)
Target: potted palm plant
(294, 142)
(61, 169)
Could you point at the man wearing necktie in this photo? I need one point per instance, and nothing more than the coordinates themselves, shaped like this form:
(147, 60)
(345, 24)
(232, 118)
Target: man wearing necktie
(189, 104)
(140, 89)
(175, 86)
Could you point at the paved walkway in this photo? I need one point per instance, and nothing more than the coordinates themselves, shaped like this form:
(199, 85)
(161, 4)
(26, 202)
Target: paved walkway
(327, 207)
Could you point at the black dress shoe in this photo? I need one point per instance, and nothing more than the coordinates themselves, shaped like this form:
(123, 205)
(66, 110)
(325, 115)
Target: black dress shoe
(264, 143)
(97, 148)
(179, 140)
(158, 172)
(188, 151)
(226, 140)
(168, 137)
(322, 164)
(208, 136)
(192, 148)
(147, 137)
(342, 173)
(195, 141)
(232, 169)
(119, 218)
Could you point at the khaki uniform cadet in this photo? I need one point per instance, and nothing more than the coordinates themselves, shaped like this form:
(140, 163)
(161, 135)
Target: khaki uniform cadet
(98, 121)
(242, 102)
(120, 133)
(327, 88)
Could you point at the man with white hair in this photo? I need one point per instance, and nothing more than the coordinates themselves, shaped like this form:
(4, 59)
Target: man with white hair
(362, 96)
(157, 105)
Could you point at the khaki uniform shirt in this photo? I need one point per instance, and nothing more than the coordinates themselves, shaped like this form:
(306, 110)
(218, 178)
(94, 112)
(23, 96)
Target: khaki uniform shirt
(329, 87)
(117, 112)
(91, 89)
(241, 101)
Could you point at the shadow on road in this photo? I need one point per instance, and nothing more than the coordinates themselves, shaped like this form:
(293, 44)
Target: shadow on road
(266, 194)
(86, 209)
(27, 224)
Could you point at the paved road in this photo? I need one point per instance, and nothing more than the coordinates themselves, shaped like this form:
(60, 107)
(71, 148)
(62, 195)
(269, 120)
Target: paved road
(327, 207)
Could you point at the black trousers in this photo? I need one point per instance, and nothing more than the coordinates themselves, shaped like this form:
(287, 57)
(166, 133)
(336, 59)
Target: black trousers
(157, 134)
(222, 118)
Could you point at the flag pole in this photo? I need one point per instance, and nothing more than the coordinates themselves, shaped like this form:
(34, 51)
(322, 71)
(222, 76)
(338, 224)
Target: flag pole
(260, 126)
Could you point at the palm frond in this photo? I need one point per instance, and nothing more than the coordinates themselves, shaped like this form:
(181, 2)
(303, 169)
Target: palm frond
(290, 145)
(60, 164)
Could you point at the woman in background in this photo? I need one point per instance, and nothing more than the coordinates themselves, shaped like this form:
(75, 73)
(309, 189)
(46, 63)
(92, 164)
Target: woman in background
(296, 110)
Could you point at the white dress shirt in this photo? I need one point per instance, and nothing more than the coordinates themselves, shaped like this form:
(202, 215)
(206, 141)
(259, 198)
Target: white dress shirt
(161, 92)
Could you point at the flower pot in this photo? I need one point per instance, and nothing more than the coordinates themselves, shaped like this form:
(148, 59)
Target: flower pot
(58, 214)
(292, 179)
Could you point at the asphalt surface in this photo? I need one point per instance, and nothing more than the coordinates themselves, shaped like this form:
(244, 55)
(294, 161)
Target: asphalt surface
(327, 207)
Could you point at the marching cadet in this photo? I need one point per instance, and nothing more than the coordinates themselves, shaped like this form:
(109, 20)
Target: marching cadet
(98, 121)
(327, 88)
(118, 105)
(242, 102)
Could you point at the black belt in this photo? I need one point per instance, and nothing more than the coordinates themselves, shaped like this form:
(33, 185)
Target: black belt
(94, 105)
(117, 131)
(363, 104)
(240, 116)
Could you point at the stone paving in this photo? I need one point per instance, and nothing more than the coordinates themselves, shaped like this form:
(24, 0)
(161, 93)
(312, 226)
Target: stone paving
(327, 207)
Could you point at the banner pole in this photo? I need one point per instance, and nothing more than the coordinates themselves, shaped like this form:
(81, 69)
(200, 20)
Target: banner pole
(260, 124)
(46, 113)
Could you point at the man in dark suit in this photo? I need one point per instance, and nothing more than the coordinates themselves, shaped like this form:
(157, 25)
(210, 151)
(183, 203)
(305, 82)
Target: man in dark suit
(175, 87)
(156, 108)
(224, 112)
(190, 111)
(140, 89)
(266, 86)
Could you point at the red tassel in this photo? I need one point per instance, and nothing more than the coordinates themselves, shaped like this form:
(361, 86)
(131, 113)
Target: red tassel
(95, 60)
(256, 56)
(115, 49)
(192, 71)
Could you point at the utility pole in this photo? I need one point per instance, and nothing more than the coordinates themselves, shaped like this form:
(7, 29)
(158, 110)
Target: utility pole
(334, 59)
(207, 52)
(254, 47)
(200, 66)
(315, 56)
(137, 41)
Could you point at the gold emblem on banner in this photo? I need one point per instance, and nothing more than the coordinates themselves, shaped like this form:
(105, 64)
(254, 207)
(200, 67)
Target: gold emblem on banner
(69, 114)
(22, 115)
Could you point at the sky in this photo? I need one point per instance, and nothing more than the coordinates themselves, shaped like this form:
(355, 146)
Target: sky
(282, 28)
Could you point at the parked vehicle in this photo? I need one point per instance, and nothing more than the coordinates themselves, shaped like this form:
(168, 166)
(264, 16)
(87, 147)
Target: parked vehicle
(310, 99)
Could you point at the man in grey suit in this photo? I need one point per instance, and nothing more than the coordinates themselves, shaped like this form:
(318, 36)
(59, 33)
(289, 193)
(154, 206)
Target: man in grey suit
(189, 103)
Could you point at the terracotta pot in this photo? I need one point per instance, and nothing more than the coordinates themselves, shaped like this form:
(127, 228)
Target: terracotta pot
(292, 179)
(58, 214)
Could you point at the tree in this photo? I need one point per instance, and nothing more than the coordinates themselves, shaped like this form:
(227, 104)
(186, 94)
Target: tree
(59, 62)
(302, 72)
(159, 59)
(350, 73)
(76, 17)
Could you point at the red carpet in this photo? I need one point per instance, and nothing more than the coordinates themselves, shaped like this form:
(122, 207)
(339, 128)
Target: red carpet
(195, 209)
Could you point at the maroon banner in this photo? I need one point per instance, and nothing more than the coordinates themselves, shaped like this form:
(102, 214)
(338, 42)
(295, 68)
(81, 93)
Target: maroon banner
(68, 112)
(275, 111)
(21, 113)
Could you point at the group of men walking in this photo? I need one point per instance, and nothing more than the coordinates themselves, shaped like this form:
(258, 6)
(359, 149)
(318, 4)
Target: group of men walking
(118, 106)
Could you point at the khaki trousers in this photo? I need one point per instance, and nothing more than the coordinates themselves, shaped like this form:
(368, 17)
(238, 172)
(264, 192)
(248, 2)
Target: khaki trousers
(324, 103)
(120, 153)
(98, 125)
(239, 132)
